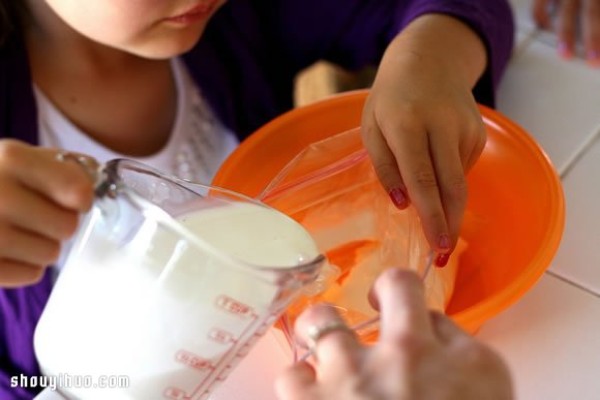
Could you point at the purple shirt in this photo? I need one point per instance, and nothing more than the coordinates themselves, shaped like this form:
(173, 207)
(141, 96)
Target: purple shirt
(245, 64)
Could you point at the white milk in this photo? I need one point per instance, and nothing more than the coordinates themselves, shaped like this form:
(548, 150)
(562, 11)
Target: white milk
(161, 313)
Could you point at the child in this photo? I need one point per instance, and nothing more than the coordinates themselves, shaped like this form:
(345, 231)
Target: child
(177, 83)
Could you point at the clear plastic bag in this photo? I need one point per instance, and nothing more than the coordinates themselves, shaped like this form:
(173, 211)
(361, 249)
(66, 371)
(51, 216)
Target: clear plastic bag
(332, 189)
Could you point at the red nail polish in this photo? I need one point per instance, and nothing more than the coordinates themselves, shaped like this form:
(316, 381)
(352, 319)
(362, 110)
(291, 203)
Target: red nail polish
(593, 58)
(442, 259)
(398, 198)
(564, 51)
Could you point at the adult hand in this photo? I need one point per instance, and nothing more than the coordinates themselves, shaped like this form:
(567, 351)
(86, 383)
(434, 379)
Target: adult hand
(420, 355)
(421, 124)
(574, 18)
(39, 207)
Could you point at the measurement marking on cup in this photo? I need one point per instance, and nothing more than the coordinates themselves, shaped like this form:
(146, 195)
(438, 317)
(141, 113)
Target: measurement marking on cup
(174, 393)
(226, 361)
(225, 373)
(221, 336)
(193, 361)
(233, 306)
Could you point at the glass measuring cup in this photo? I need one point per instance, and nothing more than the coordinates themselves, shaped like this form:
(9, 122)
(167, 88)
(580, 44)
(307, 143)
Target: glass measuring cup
(167, 286)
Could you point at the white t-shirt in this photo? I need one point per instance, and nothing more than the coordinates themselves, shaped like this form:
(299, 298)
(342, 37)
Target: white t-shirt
(198, 144)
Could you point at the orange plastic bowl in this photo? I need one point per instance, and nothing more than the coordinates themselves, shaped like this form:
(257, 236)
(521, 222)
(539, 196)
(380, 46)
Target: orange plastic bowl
(515, 211)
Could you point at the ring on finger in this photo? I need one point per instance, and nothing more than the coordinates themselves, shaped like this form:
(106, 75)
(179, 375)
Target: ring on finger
(318, 332)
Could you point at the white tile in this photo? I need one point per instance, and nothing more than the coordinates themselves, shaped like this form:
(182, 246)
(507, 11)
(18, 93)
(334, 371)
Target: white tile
(522, 39)
(578, 258)
(546, 37)
(524, 25)
(555, 101)
(550, 341)
(522, 14)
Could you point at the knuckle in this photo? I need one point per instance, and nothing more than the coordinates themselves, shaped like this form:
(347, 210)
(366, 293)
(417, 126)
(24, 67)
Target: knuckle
(5, 202)
(385, 165)
(68, 225)
(456, 188)
(438, 218)
(4, 240)
(81, 191)
(410, 344)
(425, 178)
(475, 354)
(387, 171)
(368, 131)
(45, 253)
(11, 200)
(50, 253)
(10, 152)
(410, 121)
(29, 275)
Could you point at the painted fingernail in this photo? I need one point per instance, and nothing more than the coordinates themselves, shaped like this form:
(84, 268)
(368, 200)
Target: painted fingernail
(564, 51)
(442, 259)
(444, 242)
(593, 57)
(398, 198)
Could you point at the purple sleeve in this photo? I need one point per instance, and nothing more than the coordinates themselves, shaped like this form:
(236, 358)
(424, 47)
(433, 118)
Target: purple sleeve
(20, 309)
(355, 33)
(492, 20)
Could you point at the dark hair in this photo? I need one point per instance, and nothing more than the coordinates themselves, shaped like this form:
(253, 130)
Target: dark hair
(12, 13)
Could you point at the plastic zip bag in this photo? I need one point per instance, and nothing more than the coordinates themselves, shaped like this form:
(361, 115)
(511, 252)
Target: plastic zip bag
(332, 189)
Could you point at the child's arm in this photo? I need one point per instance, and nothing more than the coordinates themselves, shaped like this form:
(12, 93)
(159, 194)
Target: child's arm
(40, 202)
(440, 56)
(421, 124)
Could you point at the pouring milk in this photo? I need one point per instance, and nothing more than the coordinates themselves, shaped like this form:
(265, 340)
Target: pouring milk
(169, 316)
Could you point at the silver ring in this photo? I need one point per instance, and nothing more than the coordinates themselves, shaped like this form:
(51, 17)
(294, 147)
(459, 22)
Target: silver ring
(316, 333)
(89, 165)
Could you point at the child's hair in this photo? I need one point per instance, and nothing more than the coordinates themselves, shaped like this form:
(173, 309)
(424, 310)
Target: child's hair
(12, 14)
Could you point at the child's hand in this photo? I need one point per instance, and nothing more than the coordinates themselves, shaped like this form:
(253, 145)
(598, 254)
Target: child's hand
(422, 127)
(573, 17)
(40, 201)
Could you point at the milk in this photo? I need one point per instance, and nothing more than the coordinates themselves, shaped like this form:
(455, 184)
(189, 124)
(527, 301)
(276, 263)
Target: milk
(158, 311)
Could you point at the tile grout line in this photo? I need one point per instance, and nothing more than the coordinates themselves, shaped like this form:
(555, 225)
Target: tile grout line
(568, 165)
(522, 47)
(572, 283)
(536, 36)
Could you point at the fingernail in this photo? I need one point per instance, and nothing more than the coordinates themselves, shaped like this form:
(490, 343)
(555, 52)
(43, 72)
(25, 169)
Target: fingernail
(564, 51)
(593, 57)
(442, 259)
(444, 242)
(398, 198)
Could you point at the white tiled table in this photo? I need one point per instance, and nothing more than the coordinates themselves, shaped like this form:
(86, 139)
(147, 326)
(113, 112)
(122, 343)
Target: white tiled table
(551, 338)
